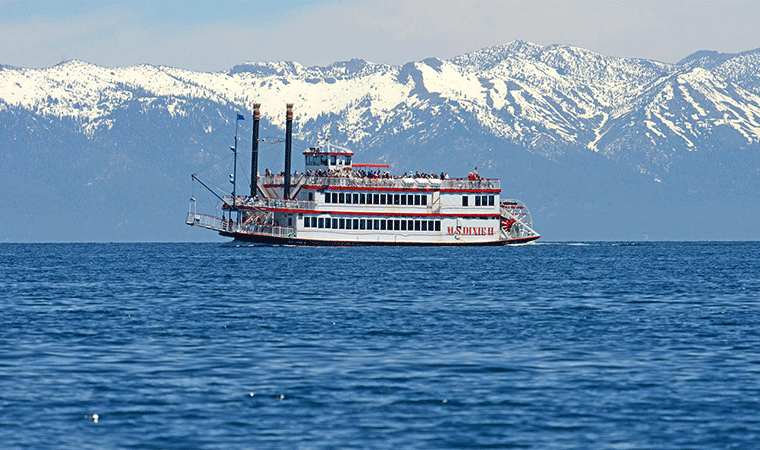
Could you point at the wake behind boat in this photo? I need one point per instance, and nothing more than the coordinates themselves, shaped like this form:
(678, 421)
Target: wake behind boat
(339, 203)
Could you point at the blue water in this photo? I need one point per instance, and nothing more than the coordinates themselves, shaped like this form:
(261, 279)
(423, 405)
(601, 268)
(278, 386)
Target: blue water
(549, 346)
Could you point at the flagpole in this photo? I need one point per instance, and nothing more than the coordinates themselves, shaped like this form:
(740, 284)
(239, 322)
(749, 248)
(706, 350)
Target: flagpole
(234, 165)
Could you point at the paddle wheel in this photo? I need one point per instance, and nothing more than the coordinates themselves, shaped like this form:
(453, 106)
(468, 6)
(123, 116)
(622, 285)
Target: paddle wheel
(516, 221)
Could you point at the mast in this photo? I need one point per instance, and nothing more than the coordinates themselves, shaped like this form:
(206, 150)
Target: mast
(255, 149)
(288, 145)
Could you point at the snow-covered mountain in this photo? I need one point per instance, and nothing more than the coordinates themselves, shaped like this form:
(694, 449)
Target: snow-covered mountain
(540, 117)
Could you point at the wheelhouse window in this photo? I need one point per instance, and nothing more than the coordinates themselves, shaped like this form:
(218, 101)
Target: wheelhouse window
(465, 200)
(327, 197)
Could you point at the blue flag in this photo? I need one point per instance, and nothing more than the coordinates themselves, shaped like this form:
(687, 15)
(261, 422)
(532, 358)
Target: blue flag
(240, 117)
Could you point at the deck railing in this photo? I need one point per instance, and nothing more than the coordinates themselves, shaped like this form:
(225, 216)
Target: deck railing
(394, 183)
(248, 202)
(219, 224)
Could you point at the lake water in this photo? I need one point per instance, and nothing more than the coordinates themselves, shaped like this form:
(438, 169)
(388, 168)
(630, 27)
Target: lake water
(546, 346)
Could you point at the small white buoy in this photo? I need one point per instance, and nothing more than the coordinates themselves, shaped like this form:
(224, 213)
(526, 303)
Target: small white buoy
(95, 418)
(251, 394)
(445, 400)
(282, 396)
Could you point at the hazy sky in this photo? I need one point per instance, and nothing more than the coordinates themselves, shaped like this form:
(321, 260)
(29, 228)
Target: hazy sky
(214, 36)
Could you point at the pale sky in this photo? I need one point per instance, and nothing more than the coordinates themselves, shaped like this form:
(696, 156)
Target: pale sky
(216, 35)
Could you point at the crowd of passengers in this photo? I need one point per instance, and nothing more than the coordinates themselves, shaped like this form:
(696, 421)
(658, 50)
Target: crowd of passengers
(349, 172)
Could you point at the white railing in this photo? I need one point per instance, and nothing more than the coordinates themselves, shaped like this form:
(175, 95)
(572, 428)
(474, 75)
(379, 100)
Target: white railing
(204, 220)
(219, 224)
(248, 202)
(271, 230)
(394, 183)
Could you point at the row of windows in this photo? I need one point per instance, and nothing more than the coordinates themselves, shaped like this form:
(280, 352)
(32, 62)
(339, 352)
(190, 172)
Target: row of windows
(321, 160)
(480, 200)
(376, 199)
(372, 224)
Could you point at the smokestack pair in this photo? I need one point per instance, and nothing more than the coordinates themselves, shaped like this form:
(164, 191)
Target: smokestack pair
(255, 149)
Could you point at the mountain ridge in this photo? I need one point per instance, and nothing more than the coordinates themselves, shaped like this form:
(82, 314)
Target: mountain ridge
(647, 120)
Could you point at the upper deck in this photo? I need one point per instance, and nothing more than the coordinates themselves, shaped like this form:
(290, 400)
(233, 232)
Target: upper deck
(389, 184)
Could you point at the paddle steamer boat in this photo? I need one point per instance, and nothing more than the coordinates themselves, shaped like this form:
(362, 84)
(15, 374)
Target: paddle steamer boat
(339, 203)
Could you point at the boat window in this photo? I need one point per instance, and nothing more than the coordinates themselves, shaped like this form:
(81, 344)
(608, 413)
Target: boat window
(321, 222)
(348, 198)
(490, 200)
(323, 160)
(342, 224)
(361, 224)
(341, 198)
(403, 199)
(335, 197)
(306, 222)
(395, 199)
(356, 199)
(327, 197)
(416, 225)
(465, 200)
(376, 199)
(382, 199)
(332, 159)
(437, 225)
(348, 160)
(403, 225)
(356, 224)
(424, 199)
(377, 224)
(430, 225)
(417, 199)
(311, 196)
(424, 225)
(314, 222)
(410, 201)
(410, 225)
(382, 224)
(477, 200)
(335, 224)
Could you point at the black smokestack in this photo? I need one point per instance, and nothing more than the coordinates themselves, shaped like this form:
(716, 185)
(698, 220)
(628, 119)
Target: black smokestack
(288, 142)
(255, 149)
